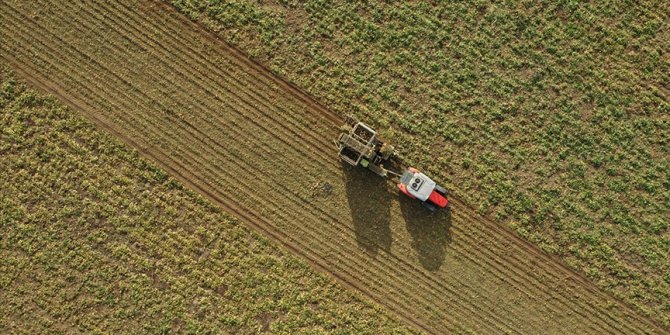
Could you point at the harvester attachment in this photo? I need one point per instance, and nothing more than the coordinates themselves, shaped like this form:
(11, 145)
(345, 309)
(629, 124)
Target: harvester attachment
(358, 145)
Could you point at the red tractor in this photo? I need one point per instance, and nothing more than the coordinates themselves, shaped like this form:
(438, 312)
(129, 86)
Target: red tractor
(358, 145)
(418, 186)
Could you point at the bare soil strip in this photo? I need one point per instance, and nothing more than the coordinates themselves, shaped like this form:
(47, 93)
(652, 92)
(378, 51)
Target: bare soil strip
(261, 149)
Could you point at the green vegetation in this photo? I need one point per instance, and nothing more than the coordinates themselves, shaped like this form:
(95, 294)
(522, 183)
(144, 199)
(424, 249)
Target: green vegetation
(552, 117)
(97, 240)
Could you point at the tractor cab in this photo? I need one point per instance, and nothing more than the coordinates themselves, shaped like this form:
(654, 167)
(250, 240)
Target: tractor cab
(418, 186)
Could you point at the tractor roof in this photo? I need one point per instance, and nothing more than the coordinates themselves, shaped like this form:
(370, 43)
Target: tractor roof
(418, 184)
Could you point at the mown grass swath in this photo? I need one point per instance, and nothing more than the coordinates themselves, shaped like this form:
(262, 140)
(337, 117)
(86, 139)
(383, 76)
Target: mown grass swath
(552, 117)
(96, 239)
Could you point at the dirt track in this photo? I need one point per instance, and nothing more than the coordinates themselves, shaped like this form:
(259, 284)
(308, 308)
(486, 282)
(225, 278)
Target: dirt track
(261, 149)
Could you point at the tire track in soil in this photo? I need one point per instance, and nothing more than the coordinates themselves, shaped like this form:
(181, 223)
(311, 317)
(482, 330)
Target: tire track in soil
(200, 187)
(215, 186)
(459, 210)
(181, 173)
(332, 116)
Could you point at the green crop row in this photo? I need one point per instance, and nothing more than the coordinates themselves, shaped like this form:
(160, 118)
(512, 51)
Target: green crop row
(97, 240)
(552, 117)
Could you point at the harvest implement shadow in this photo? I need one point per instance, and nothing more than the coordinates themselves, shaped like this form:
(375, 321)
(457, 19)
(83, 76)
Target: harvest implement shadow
(370, 205)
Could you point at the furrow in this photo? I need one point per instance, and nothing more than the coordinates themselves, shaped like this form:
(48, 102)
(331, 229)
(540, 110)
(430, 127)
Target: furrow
(384, 304)
(166, 25)
(209, 178)
(547, 263)
(254, 221)
(217, 125)
(292, 135)
(222, 74)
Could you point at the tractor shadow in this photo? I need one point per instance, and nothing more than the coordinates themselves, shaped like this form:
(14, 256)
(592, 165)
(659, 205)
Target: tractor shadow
(430, 231)
(370, 205)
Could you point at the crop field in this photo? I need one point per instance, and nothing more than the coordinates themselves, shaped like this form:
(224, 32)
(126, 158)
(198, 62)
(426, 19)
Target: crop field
(262, 150)
(96, 239)
(552, 117)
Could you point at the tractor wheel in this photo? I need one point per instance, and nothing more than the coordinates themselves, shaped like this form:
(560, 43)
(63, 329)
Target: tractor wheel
(441, 190)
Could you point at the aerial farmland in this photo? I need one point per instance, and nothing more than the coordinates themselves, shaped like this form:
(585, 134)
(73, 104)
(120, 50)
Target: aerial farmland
(172, 167)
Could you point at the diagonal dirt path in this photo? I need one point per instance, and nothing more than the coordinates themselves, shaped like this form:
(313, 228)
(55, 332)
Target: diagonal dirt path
(261, 149)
